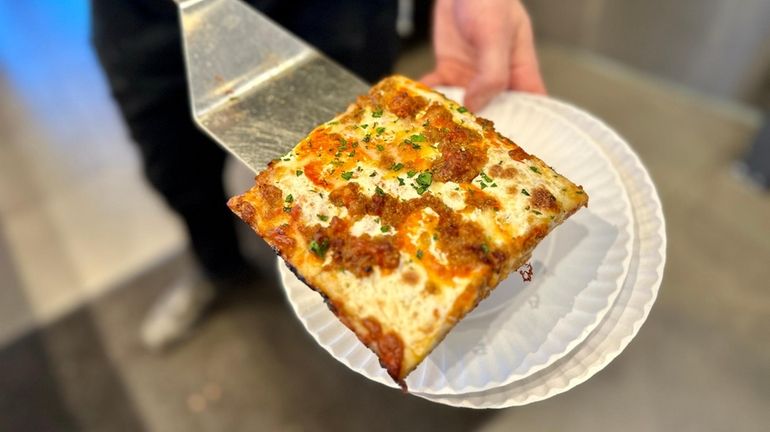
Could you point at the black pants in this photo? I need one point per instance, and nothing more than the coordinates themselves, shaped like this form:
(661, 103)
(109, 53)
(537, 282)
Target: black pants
(138, 44)
(758, 158)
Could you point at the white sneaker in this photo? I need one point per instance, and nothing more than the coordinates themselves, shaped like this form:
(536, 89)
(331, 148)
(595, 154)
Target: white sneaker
(176, 312)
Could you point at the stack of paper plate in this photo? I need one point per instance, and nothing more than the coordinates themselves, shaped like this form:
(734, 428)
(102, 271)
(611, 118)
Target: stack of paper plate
(596, 276)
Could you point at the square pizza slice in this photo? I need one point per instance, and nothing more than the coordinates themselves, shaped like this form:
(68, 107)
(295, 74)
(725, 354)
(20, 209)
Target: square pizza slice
(404, 212)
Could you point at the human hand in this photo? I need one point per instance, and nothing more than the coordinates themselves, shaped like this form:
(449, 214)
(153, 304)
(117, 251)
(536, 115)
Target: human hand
(486, 46)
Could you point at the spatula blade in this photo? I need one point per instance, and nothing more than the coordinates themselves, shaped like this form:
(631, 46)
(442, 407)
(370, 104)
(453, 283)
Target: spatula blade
(256, 88)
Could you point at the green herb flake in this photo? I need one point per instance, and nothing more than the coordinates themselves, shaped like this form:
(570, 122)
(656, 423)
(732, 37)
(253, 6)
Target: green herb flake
(385, 228)
(379, 191)
(374, 173)
(423, 182)
(485, 177)
(462, 109)
(367, 138)
(364, 126)
(322, 218)
(524, 191)
(536, 212)
(411, 173)
(380, 130)
(435, 236)
(347, 175)
(400, 181)
(289, 198)
(534, 169)
(319, 248)
(419, 254)
(485, 248)
(416, 146)
(380, 147)
(425, 178)
(397, 166)
(482, 185)
(378, 113)
(298, 172)
(417, 138)
(493, 185)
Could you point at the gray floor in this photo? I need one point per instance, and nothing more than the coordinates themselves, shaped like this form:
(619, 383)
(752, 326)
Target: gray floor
(702, 361)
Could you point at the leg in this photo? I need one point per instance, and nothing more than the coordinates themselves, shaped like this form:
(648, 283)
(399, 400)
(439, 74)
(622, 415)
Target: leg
(139, 47)
(186, 168)
(757, 160)
(140, 50)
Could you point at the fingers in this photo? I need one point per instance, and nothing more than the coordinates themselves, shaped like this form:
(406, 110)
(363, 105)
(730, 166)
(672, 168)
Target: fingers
(527, 79)
(492, 76)
(524, 69)
(449, 72)
(433, 79)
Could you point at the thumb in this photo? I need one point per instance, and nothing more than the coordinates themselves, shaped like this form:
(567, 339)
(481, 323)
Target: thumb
(491, 78)
(525, 72)
(432, 79)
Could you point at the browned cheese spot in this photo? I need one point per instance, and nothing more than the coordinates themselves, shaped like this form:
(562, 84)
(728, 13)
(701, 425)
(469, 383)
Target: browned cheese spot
(431, 287)
(509, 173)
(543, 200)
(410, 277)
(518, 154)
(478, 199)
(495, 170)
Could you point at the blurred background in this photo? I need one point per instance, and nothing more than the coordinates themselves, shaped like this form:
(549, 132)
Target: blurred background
(86, 245)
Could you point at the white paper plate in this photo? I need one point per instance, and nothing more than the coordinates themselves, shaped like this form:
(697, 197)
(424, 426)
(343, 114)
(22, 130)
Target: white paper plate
(632, 306)
(521, 328)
